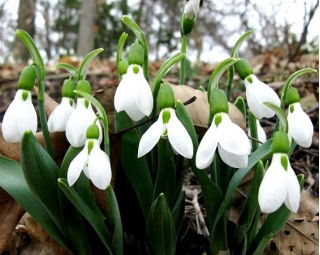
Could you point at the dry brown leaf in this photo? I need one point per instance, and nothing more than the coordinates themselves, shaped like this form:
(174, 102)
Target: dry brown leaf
(308, 102)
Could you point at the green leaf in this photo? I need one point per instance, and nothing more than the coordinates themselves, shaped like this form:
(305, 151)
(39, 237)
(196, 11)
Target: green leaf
(230, 81)
(160, 228)
(240, 41)
(86, 61)
(178, 211)
(136, 169)
(280, 114)
(12, 180)
(113, 214)
(69, 68)
(102, 113)
(241, 105)
(289, 81)
(264, 151)
(120, 46)
(96, 219)
(253, 130)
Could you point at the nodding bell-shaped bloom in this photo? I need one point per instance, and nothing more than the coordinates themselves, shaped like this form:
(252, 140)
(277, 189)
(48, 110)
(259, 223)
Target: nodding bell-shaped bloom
(232, 142)
(257, 93)
(19, 117)
(58, 119)
(262, 137)
(134, 95)
(80, 119)
(300, 125)
(167, 125)
(192, 8)
(94, 162)
(279, 185)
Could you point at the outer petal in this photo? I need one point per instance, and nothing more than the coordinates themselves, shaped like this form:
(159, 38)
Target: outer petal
(233, 160)
(99, 168)
(207, 147)
(120, 95)
(273, 188)
(192, 8)
(257, 93)
(76, 166)
(59, 117)
(300, 126)
(9, 124)
(179, 137)
(293, 191)
(143, 95)
(232, 138)
(151, 137)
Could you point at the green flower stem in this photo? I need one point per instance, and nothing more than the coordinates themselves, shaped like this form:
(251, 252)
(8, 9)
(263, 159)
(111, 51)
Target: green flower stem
(229, 82)
(253, 131)
(184, 45)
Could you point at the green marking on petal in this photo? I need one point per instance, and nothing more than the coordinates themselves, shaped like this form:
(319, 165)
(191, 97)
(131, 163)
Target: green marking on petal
(284, 162)
(90, 146)
(217, 119)
(25, 95)
(249, 79)
(291, 108)
(165, 116)
(86, 103)
(71, 101)
(136, 69)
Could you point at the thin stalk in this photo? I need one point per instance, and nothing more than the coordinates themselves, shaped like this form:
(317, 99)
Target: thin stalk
(253, 131)
(184, 45)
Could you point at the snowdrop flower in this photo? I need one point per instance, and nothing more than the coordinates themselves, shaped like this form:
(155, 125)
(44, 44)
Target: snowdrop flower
(232, 143)
(300, 125)
(134, 95)
(279, 185)
(167, 125)
(257, 93)
(262, 137)
(59, 117)
(19, 117)
(92, 160)
(192, 8)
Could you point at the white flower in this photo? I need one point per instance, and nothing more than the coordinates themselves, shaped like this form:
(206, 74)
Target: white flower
(19, 117)
(258, 93)
(80, 119)
(167, 125)
(94, 162)
(262, 137)
(232, 142)
(300, 125)
(134, 95)
(59, 117)
(192, 8)
(279, 185)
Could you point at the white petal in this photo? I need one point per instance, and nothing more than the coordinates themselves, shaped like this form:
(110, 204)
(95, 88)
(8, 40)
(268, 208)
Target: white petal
(262, 137)
(59, 117)
(99, 168)
(144, 96)
(232, 138)
(233, 160)
(151, 137)
(192, 8)
(258, 93)
(179, 137)
(207, 147)
(76, 166)
(120, 95)
(9, 124)
(273, 188)
(300, 126)
(293, 190)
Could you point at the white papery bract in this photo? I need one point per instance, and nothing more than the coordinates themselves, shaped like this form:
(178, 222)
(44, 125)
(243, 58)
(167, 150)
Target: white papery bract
(192, 8)
(94, 162)
(232, 142)
(19, 117)
(134, 95)
(279, 185)
(262, 137)
(258, 93)
(58, 119)
(175, 131)
(300, 125)
(80, 119)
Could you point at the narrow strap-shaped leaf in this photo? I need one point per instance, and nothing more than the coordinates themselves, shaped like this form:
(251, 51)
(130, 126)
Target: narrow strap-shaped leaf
(120, 46)
(96, 220)
(69, 68)
(241, 105)
(161, 229)
(253, 130)
(86, 61)
(280, 114)
(178, 211)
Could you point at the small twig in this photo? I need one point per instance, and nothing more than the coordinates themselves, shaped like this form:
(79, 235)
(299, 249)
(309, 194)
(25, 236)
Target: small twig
(254, 139)
(199, 216)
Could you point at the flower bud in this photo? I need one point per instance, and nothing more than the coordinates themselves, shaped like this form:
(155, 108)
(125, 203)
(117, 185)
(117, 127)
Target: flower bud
(123, 66)
(84, 85)
(218, 102)
(292, 96)
(187, 25)
(136, 54)
(166, 97)
(67, 89)
(92, 132)
(27, 78)
(243, 68)
(280, 143)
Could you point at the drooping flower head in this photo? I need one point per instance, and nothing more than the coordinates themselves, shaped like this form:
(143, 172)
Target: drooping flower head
(81, 118)
(232, 142)
(21, 114)
(280, 184)
(192, 8)
(94, 162)
(167, 126)
(58, 119)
